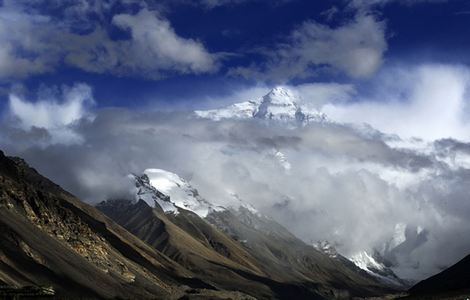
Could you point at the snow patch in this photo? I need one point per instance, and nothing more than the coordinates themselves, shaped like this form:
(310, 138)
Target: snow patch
(366, 262)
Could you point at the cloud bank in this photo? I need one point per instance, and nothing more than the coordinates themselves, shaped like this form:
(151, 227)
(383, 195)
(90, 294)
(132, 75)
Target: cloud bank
(348, 184)
(54, 113)
(428, 102)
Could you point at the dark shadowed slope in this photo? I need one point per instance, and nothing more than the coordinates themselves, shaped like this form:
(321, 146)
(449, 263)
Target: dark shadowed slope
(242, 250)
(452, 282)
(202, 248)
(288, 259)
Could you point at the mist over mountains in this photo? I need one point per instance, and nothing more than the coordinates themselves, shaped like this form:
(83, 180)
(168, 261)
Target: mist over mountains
(349, 184)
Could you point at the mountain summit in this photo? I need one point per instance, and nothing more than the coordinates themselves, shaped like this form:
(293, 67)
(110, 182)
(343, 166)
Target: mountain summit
(164, 189)
(279, 104)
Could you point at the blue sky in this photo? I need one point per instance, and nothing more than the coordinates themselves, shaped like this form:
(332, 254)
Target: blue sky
(238, 44)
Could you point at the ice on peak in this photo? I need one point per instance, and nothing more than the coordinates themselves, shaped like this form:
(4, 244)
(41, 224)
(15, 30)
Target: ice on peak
(281, 90)
(279, 104)
(281, 96)
(146, 192)
(366, 262)
(163, 180)
(375, 266)
(158, 187)
(243, 110)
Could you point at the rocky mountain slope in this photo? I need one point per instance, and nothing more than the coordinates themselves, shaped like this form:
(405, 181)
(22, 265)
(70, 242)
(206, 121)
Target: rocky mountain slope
(50, 238)
(235, 247)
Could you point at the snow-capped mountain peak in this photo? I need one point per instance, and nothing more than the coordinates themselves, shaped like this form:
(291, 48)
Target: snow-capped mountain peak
(280, 104)
(170, 192)
(150, 195)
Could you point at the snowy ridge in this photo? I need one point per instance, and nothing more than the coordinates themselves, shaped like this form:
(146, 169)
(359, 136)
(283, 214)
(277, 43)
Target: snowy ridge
(170, 192)
(372, 265)
(366, 262)
(146, 192)
(279, 104)
(243, 110)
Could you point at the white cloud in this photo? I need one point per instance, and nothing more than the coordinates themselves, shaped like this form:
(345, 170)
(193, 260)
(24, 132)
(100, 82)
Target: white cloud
(56, 116)
(355, 48)
(155, 43)
(22, 50)
(427, 102)
(341, 186)
(316, 95)
(33, 43)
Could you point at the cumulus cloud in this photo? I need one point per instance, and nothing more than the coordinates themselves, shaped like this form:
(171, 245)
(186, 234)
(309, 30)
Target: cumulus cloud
(53, 115)
(342, 185)
(428, 102)
(21, 51)
(154, 40)
(33, 42)
(355, 48)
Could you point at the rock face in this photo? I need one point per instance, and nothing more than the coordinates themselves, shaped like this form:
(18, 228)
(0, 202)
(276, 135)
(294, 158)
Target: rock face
(236, 247)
